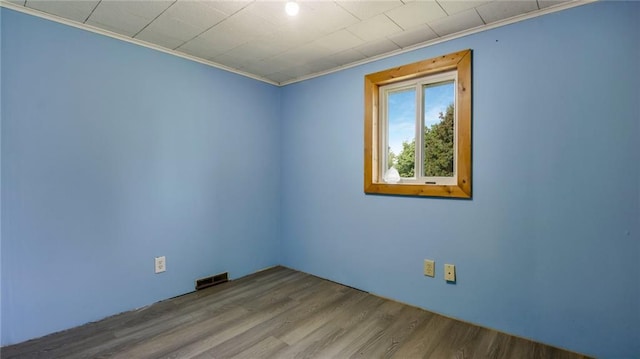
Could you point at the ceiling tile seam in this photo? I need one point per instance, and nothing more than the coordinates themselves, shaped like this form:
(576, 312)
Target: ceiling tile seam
(205, 30)
(394, 42)
(403, 29)
(441, 7)
(296, 46)
(154, 19)
(481, 18)
(92, 10)
(434, 31)
(237, 11)
(390, 19)
(347, 10)
(214, 25)
(235, 47)
(269, 57)
(347, 30)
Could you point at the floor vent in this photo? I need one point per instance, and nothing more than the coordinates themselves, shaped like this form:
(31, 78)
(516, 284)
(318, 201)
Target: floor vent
(212, 280)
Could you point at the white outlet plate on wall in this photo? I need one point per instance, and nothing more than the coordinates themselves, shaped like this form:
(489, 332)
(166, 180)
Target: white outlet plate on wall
(450, 272)
(161, 264)
(429, 268)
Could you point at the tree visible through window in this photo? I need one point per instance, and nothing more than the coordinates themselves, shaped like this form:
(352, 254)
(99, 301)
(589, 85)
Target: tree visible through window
(438, 136)
(439, 145)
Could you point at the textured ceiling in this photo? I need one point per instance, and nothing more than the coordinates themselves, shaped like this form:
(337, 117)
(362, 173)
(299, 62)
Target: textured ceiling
(259, 39)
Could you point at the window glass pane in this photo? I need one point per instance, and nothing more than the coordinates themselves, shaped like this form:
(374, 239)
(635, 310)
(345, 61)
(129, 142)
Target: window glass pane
(439, 110)
(401, 113)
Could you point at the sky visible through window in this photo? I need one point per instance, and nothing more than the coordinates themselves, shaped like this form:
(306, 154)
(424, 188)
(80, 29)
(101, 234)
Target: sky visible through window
(402, 112)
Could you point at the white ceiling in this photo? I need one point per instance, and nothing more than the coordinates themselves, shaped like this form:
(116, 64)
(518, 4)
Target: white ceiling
(259, 39)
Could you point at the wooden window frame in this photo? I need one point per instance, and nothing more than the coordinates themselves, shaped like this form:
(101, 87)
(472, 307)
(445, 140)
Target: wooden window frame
(373, 184)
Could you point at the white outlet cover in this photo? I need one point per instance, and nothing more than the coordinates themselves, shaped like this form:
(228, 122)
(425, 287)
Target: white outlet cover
(161, 264)
(429, 268)
(450, 272)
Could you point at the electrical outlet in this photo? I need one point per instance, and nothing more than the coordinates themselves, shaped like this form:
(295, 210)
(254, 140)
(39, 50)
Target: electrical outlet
(429, 268)
(449, 272)
(161, 264)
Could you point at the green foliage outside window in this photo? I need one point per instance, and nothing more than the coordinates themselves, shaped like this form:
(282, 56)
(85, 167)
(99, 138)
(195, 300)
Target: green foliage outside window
(438, 151)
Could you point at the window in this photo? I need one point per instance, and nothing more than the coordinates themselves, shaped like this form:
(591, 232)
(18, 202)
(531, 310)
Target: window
(418, 128)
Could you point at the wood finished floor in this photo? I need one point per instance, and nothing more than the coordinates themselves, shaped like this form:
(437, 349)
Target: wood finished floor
(280, 313)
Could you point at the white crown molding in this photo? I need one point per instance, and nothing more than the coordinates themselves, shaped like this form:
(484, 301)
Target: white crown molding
(549, 10)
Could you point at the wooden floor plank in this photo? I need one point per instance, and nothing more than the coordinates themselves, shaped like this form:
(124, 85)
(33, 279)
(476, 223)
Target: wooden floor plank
(385, 343)
(281, 313)
(263, 349)
(425, 338)
(357, 334)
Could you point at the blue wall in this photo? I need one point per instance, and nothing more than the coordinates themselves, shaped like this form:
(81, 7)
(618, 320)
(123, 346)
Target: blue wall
(113, 154)
(549, 246)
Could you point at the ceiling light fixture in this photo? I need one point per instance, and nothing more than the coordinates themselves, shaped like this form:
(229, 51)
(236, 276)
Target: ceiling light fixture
(292, 8)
